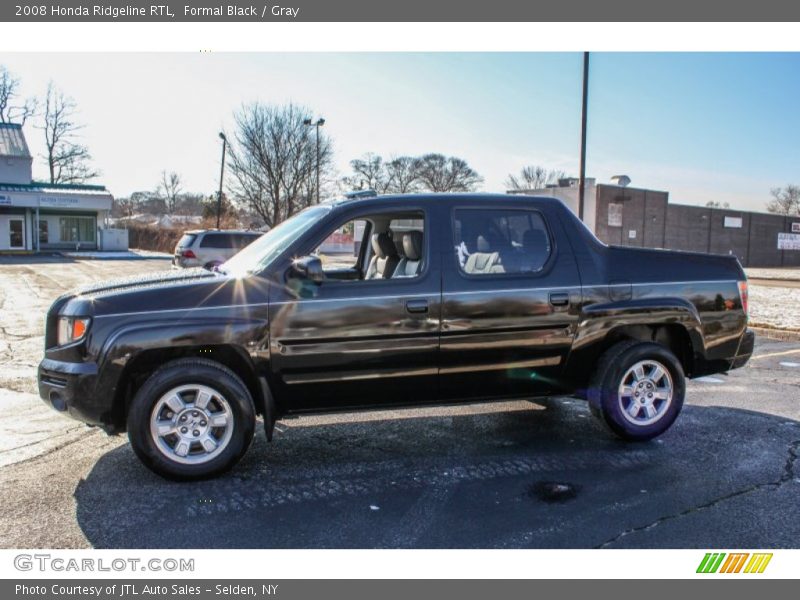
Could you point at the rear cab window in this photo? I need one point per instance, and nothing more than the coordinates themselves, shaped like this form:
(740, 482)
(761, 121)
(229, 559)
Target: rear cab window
(500, 241)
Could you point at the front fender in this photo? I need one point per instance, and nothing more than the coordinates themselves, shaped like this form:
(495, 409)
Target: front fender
(126, 342)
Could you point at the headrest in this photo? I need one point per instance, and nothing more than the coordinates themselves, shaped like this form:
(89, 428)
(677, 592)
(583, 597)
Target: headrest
(382, 245)
(482, 245)
(534, 240)
(412, 245)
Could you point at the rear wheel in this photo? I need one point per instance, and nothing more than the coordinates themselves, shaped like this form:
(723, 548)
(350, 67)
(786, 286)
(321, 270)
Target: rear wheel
(638, 389)
(191, 419)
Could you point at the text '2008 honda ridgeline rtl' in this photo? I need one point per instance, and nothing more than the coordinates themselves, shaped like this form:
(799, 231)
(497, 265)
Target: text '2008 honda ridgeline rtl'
(389, 301)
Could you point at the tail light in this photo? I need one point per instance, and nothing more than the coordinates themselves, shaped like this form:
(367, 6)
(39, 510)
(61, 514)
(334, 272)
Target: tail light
(743, 295)
(188, 254)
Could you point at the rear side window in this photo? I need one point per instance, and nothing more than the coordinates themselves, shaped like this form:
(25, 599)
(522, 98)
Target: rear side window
(187, 240)
(246, 239)
(217, 240)
(497, 241)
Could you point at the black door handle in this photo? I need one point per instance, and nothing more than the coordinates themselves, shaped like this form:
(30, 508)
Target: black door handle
(559, 299)
(417, 306)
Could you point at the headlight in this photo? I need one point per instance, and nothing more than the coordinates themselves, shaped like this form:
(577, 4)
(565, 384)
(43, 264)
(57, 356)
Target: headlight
(71, 329)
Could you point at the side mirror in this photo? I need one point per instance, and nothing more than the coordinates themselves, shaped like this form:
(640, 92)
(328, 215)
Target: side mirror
(308, 267)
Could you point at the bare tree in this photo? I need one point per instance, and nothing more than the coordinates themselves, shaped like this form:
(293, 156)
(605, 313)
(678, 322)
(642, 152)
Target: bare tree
(125, 207)
(274, 159)
(533, 177)
(402, 173)
(785, 201)
(12, 109)
(67, 160)
(438, 173)
(369, 173)
(170, 189)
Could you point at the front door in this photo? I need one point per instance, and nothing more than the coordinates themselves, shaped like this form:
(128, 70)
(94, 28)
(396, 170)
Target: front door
(359, 339)
(12, 233)
(511, 294)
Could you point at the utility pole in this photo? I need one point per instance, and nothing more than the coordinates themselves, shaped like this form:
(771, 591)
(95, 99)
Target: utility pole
(221, 176)
(320, 122)
(582, 180)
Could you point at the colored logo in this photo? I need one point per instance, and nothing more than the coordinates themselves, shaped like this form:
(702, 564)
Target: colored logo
(735, 562)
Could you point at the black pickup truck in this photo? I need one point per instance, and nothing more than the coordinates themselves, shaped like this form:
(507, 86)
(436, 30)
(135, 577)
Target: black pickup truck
(391, 301)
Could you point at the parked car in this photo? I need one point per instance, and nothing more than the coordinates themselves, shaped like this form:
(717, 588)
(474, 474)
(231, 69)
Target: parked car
(484, 297)
(210, 248)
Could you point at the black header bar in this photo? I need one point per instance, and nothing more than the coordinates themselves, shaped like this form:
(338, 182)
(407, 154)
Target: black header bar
(402, 10)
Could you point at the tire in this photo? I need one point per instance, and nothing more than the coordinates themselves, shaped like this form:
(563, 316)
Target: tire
(192, 419)
(637, 389)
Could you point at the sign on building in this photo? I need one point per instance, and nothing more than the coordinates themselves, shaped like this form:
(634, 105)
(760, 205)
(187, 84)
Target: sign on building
(733, 222)
(58, 201)
(615, 214)
(789, 241)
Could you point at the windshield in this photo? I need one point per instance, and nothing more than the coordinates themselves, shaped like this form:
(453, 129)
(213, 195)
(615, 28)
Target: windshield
(272, 244)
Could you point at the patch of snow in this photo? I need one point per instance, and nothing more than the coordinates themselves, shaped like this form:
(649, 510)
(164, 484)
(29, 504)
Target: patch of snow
(125, 255)
(792, 274)
(789, 364)
(708, 380)
(777, 307)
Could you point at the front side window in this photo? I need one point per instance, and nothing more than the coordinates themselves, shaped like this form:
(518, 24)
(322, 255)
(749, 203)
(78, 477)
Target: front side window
(375, 248)
(340, 250)
(498, 241)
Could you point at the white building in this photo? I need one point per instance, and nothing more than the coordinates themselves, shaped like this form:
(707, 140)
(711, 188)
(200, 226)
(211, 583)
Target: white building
(41, 216)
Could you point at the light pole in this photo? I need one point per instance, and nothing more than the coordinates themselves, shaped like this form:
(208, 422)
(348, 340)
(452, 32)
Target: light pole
(320, 122)
(221, 175)
(584, 106)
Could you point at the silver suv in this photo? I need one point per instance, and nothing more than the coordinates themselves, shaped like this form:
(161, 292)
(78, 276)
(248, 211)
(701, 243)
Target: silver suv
(210, 248)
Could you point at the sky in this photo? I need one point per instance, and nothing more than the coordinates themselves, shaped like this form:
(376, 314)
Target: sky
(719, 126)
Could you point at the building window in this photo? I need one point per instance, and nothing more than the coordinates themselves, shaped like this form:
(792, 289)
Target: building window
(77, 229)
(44, 235)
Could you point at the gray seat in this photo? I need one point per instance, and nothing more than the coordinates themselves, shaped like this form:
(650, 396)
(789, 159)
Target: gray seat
(385, 258)
(411, 264)
(484, 260)
(528, 258)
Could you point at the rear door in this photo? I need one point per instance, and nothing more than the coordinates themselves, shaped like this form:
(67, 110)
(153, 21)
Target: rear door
(353, 342)
(511, 295)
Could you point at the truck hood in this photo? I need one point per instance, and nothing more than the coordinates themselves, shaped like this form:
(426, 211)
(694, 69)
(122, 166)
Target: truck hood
(162, 291)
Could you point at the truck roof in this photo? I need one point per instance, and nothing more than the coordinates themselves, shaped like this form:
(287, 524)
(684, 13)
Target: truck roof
(461, 198)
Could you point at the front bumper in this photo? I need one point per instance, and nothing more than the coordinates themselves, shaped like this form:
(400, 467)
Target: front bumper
(71, 388)
(745, 350)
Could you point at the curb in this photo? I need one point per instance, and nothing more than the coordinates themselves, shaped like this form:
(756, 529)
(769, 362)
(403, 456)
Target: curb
(121, 257)
(784, 335)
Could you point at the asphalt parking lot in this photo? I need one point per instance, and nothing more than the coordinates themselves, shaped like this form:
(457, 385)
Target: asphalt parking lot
(508, 475)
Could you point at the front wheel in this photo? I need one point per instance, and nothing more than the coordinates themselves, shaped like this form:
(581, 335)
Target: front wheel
(638, 389)
(191, 419)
